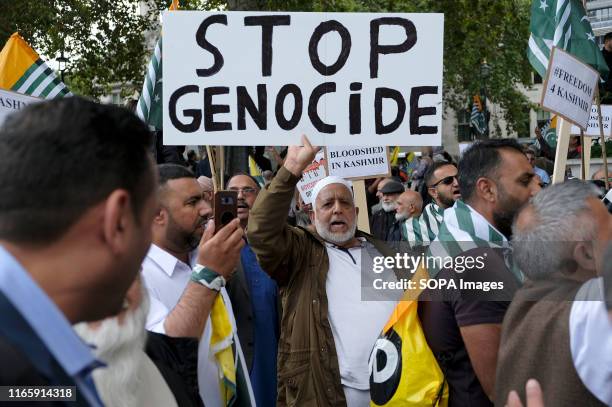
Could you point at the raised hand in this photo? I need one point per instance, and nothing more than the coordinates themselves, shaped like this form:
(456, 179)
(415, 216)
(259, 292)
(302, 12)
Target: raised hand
(300, 157)
(221, 251)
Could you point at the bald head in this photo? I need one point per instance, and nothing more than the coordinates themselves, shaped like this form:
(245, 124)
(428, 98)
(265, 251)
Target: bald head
(409, 205)
(599, 174)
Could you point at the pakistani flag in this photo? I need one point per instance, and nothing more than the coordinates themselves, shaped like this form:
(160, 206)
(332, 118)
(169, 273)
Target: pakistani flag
(149, 107)
(23, 71)
(563, 24)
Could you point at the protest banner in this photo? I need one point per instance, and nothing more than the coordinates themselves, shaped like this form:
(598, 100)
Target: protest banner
(593, 125)
(358, 162)
(266, 78)
(311, 175)
(569, 88)
(11, 102)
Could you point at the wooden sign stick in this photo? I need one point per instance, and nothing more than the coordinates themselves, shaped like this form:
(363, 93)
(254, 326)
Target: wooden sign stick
(602, 140)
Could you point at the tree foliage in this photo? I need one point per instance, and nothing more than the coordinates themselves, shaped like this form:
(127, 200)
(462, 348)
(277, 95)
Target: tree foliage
(104, 40)
(474, 31)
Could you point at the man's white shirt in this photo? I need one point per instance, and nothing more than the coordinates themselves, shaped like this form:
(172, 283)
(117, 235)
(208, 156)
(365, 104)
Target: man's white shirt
(591, 340)
(165, 277)
(356, 323)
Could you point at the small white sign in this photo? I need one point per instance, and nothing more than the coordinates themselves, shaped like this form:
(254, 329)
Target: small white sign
(593, 126)
(11, 102)
(358, 162)
(569, 88)
(266, 78)
(314, 173)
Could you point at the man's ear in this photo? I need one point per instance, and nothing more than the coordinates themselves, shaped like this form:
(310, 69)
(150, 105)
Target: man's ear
(486, 189)
(584, 256)
(311, 215)
(160, 216)
(118, 219)
(433, 192)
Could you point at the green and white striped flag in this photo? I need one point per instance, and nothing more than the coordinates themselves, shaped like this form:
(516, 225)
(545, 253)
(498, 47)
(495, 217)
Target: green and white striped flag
(465, 229)
(563, 24)
(149, 107)
(420, 231)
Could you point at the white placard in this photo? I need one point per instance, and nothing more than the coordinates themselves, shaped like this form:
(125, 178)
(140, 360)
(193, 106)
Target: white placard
(314, 173)
(593, 126)
(11, 102)
(358, 162)
(569, 88)
(266, 78)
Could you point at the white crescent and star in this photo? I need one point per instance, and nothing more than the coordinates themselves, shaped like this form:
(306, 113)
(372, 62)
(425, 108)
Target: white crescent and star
(543, 5)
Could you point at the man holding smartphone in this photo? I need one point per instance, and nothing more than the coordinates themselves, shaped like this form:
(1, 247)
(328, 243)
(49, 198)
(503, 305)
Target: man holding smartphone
(179, 306)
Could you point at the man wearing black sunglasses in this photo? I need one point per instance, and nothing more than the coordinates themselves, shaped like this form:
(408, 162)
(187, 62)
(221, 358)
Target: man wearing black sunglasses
(443, 190)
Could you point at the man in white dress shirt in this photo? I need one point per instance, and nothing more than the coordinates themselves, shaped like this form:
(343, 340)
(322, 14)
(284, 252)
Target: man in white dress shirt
(179, 305)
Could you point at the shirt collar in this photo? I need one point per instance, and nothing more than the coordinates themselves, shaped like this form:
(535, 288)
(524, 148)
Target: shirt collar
(163, 259)
(44, 317)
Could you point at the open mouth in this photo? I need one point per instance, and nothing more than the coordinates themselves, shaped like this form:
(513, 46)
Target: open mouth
(337, 224)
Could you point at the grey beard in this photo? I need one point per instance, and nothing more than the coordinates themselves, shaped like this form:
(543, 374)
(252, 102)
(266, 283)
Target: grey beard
(400, 216)
(388, 207)
(335, 238)
(121, 348)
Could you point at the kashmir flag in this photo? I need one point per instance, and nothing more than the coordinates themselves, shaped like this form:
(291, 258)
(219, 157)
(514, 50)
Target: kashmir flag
(549, 132)
(23, 71)
(149, 107)
(394, 156)
(478, 121)
(563, 24)
(255, 171)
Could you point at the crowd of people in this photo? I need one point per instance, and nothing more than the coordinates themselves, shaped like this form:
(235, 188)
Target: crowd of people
(114, 278)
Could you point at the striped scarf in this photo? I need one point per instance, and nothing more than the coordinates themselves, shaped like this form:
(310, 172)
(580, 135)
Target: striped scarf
(420, 231)
(464, 229)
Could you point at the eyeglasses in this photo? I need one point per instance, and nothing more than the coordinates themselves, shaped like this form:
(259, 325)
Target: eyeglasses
(245, 191)
(446, 181)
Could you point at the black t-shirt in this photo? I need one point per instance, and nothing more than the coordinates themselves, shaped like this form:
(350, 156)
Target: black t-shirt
(443, 312)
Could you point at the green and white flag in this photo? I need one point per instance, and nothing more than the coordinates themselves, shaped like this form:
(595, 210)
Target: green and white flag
(420, 231)
(149, 107)
(465, 229)
(563, 24)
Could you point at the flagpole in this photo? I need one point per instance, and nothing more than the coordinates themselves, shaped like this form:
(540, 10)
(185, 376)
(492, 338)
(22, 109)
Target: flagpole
(213, 172)
(583, 157)
(561, 153)
(602, 140)
(222, 166)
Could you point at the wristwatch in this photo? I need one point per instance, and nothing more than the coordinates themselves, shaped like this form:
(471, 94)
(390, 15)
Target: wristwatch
(207, 277)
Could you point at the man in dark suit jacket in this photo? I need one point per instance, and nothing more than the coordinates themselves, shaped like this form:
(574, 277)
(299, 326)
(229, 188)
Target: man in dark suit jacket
(77, 201)
(255, 301)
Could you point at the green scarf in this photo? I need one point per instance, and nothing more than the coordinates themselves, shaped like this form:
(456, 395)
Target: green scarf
(422, 230)
(464, 229)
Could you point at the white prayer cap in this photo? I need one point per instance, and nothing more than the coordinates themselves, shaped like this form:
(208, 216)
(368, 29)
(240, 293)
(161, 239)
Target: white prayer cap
(332, 179)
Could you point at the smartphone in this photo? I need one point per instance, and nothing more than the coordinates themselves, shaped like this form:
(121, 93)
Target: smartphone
(226, 208)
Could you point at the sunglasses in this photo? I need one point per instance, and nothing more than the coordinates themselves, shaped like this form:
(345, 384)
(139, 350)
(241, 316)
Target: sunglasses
(445, 181)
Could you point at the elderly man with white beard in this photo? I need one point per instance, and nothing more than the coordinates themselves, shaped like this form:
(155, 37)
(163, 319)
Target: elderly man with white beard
(327, 329)
(382, 221)
(133, 378)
